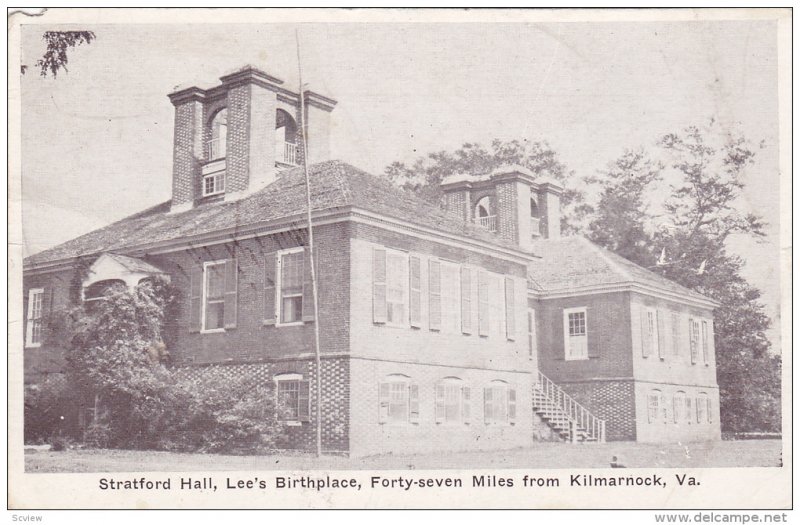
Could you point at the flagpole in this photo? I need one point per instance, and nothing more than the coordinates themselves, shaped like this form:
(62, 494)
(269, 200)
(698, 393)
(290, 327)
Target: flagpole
(317, 356)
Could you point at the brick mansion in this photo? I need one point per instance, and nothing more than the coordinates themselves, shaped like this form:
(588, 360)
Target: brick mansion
(469, 325)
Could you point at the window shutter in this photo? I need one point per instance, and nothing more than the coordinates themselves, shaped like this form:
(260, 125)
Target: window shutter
(511, 324)
(435, 294)
(270, 267)
(692, 341)
(466, 300)
(483, 303)
(196, 298)
(512, 405)
(379, 285)
(439, 402)
(676, 408)
(708, 409)
(565, 323)
(704, 340)
(662, 333)
(47, 303)
(645, 332)
(465, 405)
(304, 401)
(383, 414)
(488, 415)
(650, 410)
(415, 291)
(592, 350)
(231, 292)
(308, 290)
(413, 403)
(26, 309)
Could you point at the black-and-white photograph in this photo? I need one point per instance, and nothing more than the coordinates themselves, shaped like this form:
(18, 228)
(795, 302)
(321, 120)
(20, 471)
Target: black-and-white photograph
(276, 245)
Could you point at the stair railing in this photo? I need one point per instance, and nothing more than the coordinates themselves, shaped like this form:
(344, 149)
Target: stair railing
(577, 413)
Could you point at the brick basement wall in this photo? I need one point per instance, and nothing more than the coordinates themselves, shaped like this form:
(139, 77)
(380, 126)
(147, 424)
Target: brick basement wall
(335, 398)
(612, 401)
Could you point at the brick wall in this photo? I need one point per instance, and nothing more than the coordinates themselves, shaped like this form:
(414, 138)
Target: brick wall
(49, 357)
(335, 398)
(187, 152)
(606, 317)
(251, 340)
(369, 436)
(675, 365)
(664, 428)
(421, 344)
(612, 401)
(507, 225)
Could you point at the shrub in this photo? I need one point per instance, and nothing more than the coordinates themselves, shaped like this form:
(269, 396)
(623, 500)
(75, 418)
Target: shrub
(50, 410)
(234, 415)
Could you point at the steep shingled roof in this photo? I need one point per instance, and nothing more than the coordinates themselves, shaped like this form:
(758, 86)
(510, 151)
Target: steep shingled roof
(334, 184)
(575, 262)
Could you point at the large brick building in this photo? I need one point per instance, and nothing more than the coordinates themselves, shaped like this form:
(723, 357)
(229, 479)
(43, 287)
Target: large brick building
(473, 325)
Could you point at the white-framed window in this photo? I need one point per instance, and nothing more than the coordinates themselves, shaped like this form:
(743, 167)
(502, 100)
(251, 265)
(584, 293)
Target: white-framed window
(499, 404)
(397, 288)
(704, 341)
(33, 335)
(653, 406)
(678, 404)
(214, 296)
(399, 400)
(214, 183)
(290, 273)
(694, 339)
(702, 408)
(575, 334)
(451, 297)
(452, 403)
(293, 398)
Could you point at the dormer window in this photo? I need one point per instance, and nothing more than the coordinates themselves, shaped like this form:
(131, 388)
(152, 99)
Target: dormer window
(484, 214)
(219, 136)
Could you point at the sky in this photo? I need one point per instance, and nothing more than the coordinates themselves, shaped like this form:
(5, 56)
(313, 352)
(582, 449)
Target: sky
(97, 140)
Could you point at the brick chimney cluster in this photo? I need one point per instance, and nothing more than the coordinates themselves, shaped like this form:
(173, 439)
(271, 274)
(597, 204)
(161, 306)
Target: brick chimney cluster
(511, 201)
(232, 140)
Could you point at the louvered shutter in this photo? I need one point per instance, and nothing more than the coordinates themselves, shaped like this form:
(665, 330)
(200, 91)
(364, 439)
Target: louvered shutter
(645, 332)
(308, 290)
(270, 266)
(196, 298)
(593, 346)
(439, 401)
(466, 300)
(383, 406)
(379, 285)
(413, 404)
(662, 334)
(511, 323)
(435, 294)
(483, 303)
(488, 413)
(512, 406)
(47, 304)
(231, 292)
(415, 291)
(304, 401)
(465, 405)
(693, 342)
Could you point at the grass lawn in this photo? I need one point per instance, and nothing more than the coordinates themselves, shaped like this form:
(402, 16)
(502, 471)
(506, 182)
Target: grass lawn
(753, 453)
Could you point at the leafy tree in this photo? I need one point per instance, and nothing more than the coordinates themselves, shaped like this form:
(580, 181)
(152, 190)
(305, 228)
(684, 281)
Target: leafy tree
(687, 244)
(425, 175)
(58, 43)
(621, 215)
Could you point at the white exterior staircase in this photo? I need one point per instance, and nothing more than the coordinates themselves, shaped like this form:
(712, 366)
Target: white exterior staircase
(565, 416)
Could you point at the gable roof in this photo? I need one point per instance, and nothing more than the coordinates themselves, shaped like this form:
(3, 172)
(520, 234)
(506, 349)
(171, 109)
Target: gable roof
(133, 264)
(334, 184)
(571, 264)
